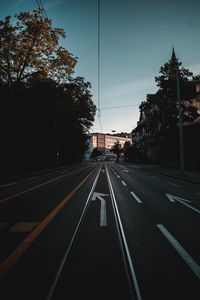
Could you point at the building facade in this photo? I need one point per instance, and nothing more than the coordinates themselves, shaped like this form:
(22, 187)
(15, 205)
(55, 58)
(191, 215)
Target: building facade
(104, 143)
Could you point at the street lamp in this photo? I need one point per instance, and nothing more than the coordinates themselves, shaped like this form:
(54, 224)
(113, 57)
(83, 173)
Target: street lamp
(57, 155)
(181, 145)
(57, 146)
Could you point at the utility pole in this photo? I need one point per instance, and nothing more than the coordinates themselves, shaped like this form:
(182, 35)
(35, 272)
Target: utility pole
(181, 145)
(57, 155)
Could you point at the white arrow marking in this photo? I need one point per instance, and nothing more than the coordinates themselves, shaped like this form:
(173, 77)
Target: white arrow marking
(182, 252)
(183, 201)
(103, 217)
(102, 170)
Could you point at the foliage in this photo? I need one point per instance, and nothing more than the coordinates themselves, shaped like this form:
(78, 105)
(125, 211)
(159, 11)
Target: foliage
(117, 149)
(29, 47)
(126, 150)
(168, 74)
(43, 109)
(95, 153)
(159, 113)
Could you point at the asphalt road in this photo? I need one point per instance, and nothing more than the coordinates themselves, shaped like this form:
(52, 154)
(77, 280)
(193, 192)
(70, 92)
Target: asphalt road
(99, 231)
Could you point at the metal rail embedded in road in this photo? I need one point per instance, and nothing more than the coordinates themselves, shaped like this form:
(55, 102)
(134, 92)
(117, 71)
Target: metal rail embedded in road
(68, 250)
(124, 246)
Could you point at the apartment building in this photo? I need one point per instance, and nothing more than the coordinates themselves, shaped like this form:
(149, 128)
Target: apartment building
(104, 142)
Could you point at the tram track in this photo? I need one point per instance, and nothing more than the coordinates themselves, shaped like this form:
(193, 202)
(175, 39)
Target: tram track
(68, 257)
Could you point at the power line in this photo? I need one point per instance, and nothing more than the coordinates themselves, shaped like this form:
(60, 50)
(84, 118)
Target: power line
(100, 124)
(98, 66)
(111, 107)
(41, 7)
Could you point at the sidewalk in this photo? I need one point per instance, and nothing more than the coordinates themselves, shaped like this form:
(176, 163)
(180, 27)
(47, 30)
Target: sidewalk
(190, 176)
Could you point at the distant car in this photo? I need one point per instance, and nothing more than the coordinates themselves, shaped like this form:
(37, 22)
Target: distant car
(100, 158)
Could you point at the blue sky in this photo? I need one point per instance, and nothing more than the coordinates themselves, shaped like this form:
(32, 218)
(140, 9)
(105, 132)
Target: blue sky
(136, 38)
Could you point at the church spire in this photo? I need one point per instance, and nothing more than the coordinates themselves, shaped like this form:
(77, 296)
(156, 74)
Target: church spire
(172, 64)
(173, 58)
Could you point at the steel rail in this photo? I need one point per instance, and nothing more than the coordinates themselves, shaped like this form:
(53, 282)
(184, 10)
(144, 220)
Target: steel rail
(39, 185)
(133, 283)
(69, 247)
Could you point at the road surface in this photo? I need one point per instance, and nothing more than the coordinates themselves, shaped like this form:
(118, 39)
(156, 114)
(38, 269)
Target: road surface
(101, 230)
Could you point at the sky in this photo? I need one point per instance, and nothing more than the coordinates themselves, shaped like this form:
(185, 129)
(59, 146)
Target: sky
(136, 39)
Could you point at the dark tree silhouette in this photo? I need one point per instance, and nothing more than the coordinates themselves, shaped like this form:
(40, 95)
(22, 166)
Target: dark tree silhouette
(44, 111)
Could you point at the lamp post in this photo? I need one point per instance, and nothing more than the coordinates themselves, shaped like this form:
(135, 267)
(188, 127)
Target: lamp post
(57, 146)
(181, 145)
(57, 155)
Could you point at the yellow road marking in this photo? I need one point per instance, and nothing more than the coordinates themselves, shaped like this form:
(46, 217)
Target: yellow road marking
(173, 183)
(31, 189)
(9, 262)
(23, 227)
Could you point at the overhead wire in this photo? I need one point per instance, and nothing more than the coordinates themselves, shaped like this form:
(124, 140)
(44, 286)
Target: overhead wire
(98, 66)
(98, 73)
(41, 7)
(111, 107)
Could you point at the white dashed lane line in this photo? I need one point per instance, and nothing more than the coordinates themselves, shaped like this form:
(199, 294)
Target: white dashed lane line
(136, 197)
(172, 183)
(124, 183)
(8, 184)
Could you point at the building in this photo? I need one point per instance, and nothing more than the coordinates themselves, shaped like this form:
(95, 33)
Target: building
(104, 142)
(158, 122)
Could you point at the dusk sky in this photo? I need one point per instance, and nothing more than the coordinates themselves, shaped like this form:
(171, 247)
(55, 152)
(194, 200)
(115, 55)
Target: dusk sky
(136, 38)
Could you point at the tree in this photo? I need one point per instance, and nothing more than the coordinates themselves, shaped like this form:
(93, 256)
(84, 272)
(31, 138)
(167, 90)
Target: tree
(84, 109)
(126, 150)
(95, 153)
(44, 108)
(167, 81)
(29, 48)
(168, 71)
(117, 149)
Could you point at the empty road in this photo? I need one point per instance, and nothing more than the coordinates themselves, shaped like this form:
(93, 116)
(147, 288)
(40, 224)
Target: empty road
(101, 230)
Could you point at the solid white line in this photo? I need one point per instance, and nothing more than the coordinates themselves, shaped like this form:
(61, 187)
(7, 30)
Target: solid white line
(136, 197)
(132, 271)
(8, 184)
(181, 251)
